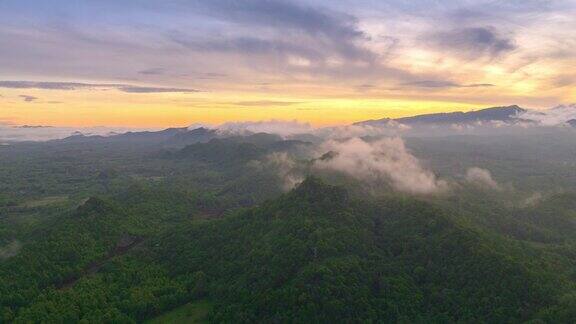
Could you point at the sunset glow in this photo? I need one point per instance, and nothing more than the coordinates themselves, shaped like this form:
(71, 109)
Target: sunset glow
(176, 63)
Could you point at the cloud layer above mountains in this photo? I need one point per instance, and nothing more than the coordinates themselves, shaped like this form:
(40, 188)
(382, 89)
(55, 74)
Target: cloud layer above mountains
(563, 116)
(557, 116)
(11, 133)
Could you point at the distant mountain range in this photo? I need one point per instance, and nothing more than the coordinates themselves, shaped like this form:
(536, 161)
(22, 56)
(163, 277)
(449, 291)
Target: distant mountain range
(503, 114)
(180, 137)
(177, 137)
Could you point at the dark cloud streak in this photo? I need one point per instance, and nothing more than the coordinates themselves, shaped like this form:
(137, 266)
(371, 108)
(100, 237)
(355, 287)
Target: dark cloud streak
(474, 42)
(88, 86)
(285, 14)
(283, 27)
(266, 103)
(28, 98)
(444, 84)
(135, 89)
(152, 71)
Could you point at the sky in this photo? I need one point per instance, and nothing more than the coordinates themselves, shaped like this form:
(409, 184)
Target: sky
(162, 63)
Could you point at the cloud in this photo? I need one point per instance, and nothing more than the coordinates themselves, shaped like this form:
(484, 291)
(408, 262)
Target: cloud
(329, 45)
(265, 103)
(279, 127)
(88, 86)
(167, 73)
(430, 84)
(152, 71)
(135, 89)
(279, 35)
(287, 128)
(286, 15)
(13, 133)
(365, 87)
(28, 98)
(368, 128)
(211, 76)
(50, 85)
(170, 39)
(557, 116)
(383, 160)
(478, 85)
(245, 44)
(481, 177)
(474, 42)
(443, 84)
(33, 126)
(283, 166)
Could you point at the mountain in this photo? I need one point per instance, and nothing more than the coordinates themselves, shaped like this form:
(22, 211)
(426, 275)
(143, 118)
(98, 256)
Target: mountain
(238, 149)
(317, 255)
(150, 136)
(171, 137)
(147, 136)
(503, 114)
(572, 122)
(187, 137)
(220, 151)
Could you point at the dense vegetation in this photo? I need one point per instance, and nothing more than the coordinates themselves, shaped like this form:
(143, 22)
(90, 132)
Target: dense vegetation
(130, 231)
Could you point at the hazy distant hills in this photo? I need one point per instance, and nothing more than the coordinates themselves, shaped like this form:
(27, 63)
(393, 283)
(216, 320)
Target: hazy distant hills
(180, 137)
(168, 137)
(186, 136)
(503, 114)
(237, 150)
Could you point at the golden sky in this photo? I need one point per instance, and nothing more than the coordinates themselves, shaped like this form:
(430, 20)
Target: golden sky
(176, 63)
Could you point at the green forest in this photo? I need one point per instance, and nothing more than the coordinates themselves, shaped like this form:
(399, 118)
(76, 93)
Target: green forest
(204, 231)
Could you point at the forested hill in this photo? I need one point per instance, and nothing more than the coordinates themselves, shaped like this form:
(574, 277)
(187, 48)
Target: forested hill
(314, 254)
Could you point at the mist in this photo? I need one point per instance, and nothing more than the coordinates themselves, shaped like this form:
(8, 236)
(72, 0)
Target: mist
(278, 127)
(385, 159)
(560, 115)
(481, 177)
(12, 133)
(283, 166)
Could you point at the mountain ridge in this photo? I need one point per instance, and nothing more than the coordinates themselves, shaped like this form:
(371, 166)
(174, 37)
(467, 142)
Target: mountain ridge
(184, 136)
(502, 113)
